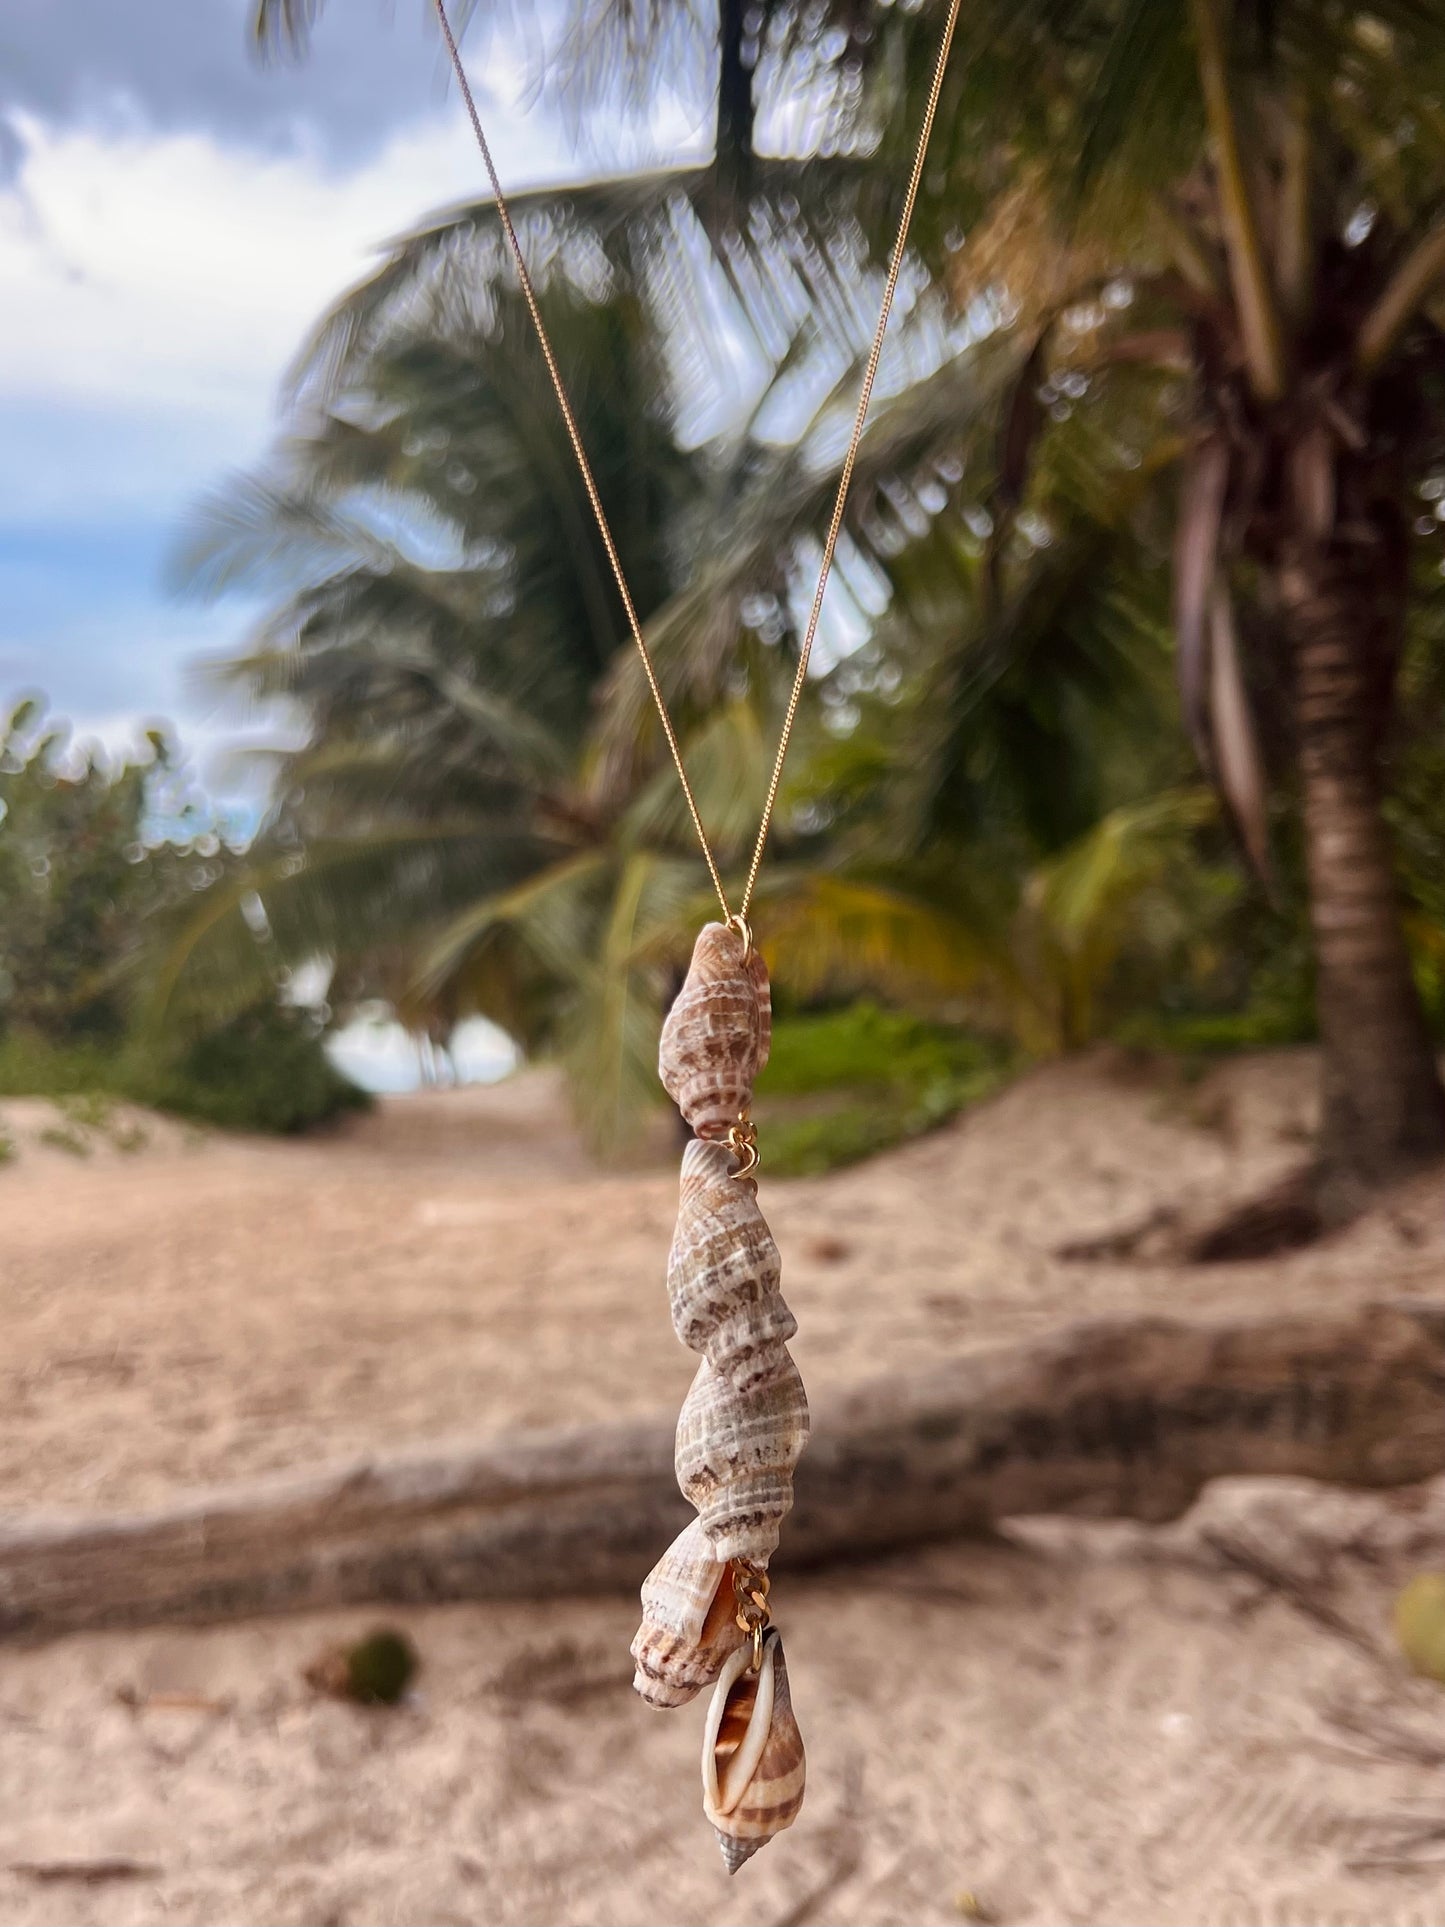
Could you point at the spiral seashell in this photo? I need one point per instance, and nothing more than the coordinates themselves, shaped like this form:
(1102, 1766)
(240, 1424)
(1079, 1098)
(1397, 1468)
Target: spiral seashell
(717, 1034)
(723, 1272)
(689, 1623)
(753, 1766)
(744, 1422)
(734, 1455)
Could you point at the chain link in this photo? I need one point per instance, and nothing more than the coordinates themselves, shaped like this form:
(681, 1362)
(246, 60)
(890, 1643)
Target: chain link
(845, 478)
(754, 1615)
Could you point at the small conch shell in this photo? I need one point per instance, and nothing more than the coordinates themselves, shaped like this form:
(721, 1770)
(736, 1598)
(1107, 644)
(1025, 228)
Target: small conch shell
(723, 1273)
(689, 1622)
(717, 1034)
(734, 1455)
(753, 1768)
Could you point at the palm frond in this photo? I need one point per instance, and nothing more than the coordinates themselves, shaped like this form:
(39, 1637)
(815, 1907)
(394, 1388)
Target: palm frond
(1236, 759)
(350, 896)
(1082, 909)
(609, 1036)
(550, 913)
(283, 26)
(728, 762)
(826, 934)
(1196, 553)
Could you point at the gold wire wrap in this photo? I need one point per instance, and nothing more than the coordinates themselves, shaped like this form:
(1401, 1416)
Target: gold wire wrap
(845, 478)
(742, 1141)
(737, 921)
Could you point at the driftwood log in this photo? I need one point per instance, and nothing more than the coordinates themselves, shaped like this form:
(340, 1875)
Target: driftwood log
(1121, 1418)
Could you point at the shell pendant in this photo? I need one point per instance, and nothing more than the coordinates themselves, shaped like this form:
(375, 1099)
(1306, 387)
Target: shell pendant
(705, 1618)
(753, 1769)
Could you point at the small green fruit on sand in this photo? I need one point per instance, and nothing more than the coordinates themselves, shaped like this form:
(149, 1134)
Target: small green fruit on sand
(1420, 1624)
(375, 1671)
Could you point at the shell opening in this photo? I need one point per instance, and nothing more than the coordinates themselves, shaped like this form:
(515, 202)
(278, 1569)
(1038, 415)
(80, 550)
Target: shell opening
(739, 1720)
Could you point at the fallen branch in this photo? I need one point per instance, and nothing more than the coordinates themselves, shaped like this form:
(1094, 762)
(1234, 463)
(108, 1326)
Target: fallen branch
(90, 1873)
(1121, 1418)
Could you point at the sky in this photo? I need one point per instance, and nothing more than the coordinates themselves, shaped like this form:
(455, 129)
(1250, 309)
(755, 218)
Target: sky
(173, 218)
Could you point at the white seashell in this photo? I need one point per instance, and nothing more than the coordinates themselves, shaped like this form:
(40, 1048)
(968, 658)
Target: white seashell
(753, 1765)
(717, 1034)
(723, 1273)
(689, 1621)
(734, 1454)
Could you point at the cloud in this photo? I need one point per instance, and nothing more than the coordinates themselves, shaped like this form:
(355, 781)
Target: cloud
(153, 288)
(170, 228)
(180, 272)
(177, 273)
(187, 66)
(184, 66)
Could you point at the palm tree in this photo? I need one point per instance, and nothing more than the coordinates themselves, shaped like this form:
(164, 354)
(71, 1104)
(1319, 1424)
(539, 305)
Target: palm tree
(1240, 206)
(1245, 200)
(453, 835)
(1222, 215)
(449, 835)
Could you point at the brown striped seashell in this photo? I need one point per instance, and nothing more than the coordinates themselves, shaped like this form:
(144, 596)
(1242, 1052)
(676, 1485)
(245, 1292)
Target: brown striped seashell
(689, 1622)
(723, 1272)
(735, 1454)
(717, 1034)
(753, 1766)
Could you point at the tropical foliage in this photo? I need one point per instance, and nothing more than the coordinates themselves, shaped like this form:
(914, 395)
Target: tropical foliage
(842, 1084)
(95, 858)
(76, 879)
(1175, 288)
(453, 835)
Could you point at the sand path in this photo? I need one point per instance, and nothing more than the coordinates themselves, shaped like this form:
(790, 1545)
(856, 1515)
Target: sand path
(1085, 1724)
(209, 1311)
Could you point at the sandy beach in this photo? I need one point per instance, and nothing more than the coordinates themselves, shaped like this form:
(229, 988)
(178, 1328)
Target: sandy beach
(1205, 1723)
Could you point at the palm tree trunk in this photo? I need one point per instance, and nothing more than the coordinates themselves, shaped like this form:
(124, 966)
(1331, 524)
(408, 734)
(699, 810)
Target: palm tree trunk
(735, 111)
(1383, 1109)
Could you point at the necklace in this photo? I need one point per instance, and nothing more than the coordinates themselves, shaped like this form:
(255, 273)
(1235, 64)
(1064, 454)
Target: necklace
(706, 1617)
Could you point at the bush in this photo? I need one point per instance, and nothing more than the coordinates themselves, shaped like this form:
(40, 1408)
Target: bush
(841, 1085)
(265, 1070)
(1278, 1010)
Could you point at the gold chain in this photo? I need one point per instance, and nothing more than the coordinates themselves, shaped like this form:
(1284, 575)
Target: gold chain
(844, 480)
(754, 1615)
